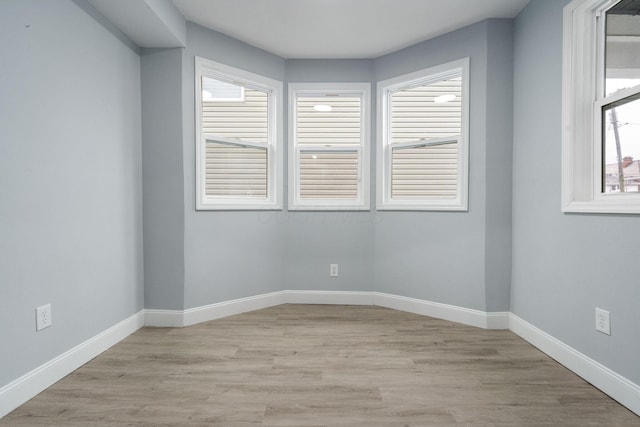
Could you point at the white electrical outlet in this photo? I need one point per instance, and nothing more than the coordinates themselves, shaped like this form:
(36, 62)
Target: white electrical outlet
(603, 323)
(43, 317)
(333, 270)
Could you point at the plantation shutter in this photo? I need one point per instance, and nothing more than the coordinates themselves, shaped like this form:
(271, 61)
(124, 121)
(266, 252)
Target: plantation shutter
(329, 144)
(236, 131)
(328, 174)
(426, 123)
(235, 170)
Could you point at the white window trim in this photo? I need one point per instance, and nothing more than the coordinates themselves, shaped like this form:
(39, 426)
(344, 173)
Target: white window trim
(384, 199)
(362, 203)
(274, 146)
(581, 117)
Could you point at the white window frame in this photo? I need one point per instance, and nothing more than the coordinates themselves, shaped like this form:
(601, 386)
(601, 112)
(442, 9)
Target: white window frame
(384, 158)
(274, 88)
(582, 101)
(362, 202)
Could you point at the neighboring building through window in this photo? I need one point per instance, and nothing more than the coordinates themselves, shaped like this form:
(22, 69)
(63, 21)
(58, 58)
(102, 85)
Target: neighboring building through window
(329, 146)
(239, 138)
(423, 139)
(601, 106)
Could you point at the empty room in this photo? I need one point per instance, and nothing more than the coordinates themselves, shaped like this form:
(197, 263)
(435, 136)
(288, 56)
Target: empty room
(320, 212)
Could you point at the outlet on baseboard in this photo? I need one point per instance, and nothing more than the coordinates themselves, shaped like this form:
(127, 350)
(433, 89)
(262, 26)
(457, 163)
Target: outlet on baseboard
(603, 323)
(333, 270)
(43, 317)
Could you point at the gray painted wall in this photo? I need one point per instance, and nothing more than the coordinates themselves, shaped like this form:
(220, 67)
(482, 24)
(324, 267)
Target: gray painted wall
(70, 181)
(440, 256)
(499, 112)
(162, 167)
(564, 265)
(430, 255)
(227, 254)
(313, 240)
(330, 70)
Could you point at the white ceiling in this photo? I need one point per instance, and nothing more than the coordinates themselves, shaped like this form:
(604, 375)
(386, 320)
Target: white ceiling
(340, 28)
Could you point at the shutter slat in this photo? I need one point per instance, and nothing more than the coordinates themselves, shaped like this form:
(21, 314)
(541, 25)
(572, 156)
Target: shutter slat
(421, 117)
(341, 125)
(245, 120)
(242, 114)
(235, 170)
(328, 175)
(424, 172)
(427, 171)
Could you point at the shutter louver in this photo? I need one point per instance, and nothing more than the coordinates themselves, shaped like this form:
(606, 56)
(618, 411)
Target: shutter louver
(341, 125)
(235, 170)
(420, 115)
(234, 113)
(328, 174)
(427, 171)
(333, 171)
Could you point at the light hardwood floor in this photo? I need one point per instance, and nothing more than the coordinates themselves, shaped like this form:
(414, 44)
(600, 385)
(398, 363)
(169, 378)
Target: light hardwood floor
(323, 365)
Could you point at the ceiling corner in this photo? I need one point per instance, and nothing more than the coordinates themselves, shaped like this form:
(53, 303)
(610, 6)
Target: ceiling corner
(148, 23)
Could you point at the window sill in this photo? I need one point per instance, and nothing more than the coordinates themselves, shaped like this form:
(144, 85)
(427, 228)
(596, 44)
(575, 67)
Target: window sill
(627, 207)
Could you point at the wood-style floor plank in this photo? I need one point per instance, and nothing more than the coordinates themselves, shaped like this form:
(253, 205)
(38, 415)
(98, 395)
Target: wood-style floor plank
(323, 365)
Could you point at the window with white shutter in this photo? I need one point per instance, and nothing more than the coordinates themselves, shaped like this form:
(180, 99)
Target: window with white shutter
(238, 138)
(329, 146)
(423, 139)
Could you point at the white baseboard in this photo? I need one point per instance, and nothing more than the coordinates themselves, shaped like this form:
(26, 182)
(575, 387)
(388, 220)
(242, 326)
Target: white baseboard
(466, 316)
(27, 386)
(328, 297)
(164, 318)
(615, 385)
(205, 313)
(232, 307)
(498, 319)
